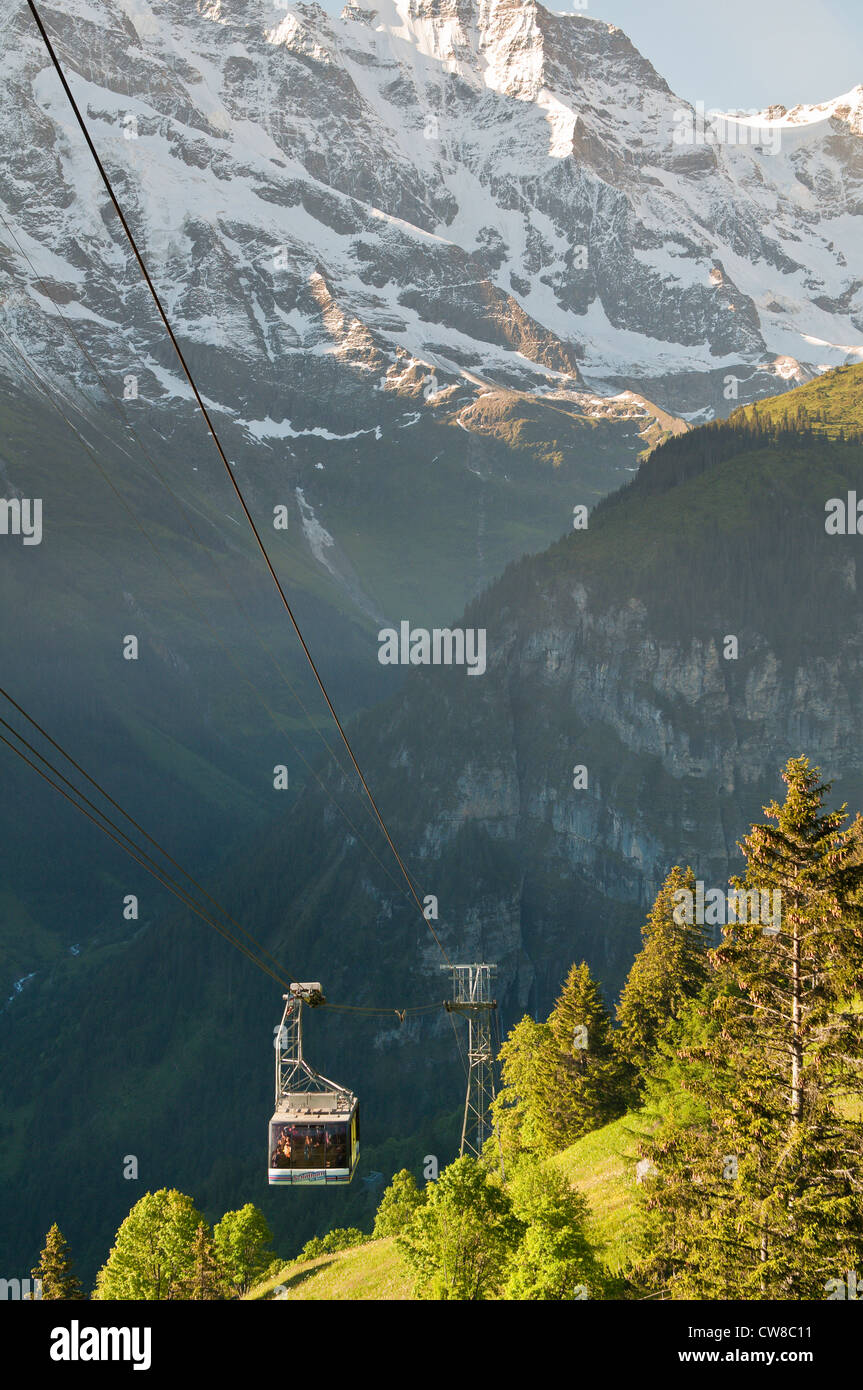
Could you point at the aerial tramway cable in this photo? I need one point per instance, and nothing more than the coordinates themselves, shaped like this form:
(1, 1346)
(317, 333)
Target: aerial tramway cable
(118, 807)
(219, 571)
(158, 871)
(46, 390)
(135, 853)
(223, 456)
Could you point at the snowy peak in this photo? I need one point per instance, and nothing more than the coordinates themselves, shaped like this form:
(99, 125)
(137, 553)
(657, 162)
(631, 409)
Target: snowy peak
(515, 47)
(496, 43)
(482, 186)
(847, 109)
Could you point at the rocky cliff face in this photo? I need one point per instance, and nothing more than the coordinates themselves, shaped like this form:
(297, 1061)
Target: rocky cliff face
(646, 683)
(608, 694)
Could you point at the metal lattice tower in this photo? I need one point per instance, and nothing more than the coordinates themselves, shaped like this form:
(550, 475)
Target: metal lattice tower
(471, 995)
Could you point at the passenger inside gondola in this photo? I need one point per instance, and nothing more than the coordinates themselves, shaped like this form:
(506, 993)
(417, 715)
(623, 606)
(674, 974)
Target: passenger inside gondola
(308, 1146)
(337, 1147)
(281, 1154)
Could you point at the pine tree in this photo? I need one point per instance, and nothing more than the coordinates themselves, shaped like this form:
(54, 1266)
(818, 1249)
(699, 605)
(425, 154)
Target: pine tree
(670, 969)
(206, 1280)
(560, 1079)
(762, 1195)
(588, 1084)
(522, 1109)
(54, 1269)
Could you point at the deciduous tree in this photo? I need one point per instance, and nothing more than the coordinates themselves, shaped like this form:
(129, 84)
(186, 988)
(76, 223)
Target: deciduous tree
(555, 1259)
(241, 1239)
(460, 1241)
(398, 1204)
(153, 1248)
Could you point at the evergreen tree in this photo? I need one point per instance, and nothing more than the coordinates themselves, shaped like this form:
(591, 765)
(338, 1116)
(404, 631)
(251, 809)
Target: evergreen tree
(398, 1204)
(562, 1078)
(54, 1269)
(240, 1240)
(588, 1082)
(761, 1196)
(206, 1280)
(153, 1248)
(521, 1111)
(670, 969)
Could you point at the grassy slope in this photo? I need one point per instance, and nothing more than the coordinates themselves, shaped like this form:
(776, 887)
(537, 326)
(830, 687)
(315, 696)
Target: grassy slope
(367, 1272)
(601, 1165)
(837, 395)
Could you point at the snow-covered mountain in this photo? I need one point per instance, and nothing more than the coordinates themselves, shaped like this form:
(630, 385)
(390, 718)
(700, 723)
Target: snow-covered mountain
(425, 194)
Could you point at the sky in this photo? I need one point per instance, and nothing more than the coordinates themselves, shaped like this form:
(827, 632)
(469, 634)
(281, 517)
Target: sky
(742, 53)
(737, 54)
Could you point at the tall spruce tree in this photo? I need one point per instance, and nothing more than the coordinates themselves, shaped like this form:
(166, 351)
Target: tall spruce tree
(670, 969)
(207, 1279)
(761, 1196)
(588, 1082)
(54, 1270)
(522, 1109)
(560, 1079)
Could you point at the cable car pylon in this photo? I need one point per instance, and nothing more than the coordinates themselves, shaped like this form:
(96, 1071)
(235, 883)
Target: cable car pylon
(471, 995)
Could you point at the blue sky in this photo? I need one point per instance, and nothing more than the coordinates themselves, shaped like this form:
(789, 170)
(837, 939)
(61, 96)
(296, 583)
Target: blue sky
(742, 53)
(739, 53)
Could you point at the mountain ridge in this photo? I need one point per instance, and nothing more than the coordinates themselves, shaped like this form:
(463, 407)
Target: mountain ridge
(581, 239)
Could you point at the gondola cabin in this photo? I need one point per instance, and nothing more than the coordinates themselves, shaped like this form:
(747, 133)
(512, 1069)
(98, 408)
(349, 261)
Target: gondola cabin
(314, 1139)
(314, 1135)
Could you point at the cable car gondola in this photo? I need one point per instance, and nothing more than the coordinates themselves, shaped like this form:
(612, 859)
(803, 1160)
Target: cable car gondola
(314, 1134)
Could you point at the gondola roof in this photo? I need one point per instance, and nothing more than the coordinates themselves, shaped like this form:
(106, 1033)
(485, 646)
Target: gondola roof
(316, 1106)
